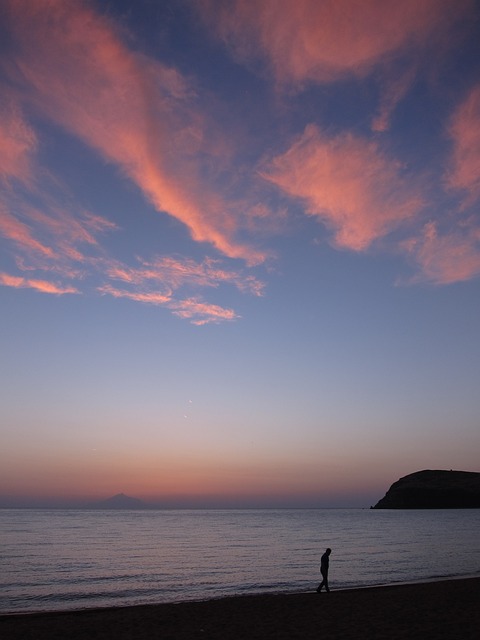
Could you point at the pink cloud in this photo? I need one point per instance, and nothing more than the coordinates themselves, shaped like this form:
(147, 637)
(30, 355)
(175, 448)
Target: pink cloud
(70, 248)
(193, 309)
(71, 233)
(170, 274)
(21, 234)
(39, 285)
(395, 88)
(177, 272)
(134, 111)
(347, 183)
(47, 234)
(446, 258)
(200, 313)
(150, 297)
(312, 41)
(18, 143)
(448, 250)
(50, 238)
(464, 173)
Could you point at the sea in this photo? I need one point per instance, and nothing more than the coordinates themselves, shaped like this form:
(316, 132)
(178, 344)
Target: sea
(56, 560)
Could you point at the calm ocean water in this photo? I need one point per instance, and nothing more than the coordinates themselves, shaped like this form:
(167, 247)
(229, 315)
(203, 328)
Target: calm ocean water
(55, 560)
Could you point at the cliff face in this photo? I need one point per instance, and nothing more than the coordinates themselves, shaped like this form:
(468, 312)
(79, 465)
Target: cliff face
(434, 490)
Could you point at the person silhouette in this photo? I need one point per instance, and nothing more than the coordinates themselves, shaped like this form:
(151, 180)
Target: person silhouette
(324, 563)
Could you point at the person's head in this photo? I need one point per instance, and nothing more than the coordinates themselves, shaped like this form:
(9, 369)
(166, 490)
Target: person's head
(329, 551)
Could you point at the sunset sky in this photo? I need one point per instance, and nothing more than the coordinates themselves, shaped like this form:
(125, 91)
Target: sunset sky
(239, 249)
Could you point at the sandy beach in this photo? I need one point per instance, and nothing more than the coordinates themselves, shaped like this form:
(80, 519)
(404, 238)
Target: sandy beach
(446, 609)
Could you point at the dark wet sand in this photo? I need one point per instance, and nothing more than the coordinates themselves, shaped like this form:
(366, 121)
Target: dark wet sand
(447, 609)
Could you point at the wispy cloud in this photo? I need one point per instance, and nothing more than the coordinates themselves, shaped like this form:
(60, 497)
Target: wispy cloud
(196, 310)
(448, 257)
(21, 234)
(448, 249)
(177, 272)
(133, 110)
(150, 121)
(310, 41)
(43, 286)
(464, 172)
(73, 254)
(159, 282)
(64, 244)
(393, 91)
(348, 183)
(45, 230)
(152, 297)
(202, 313)
(352, 186)
(137, 113)
(18, 142)
(45, 236)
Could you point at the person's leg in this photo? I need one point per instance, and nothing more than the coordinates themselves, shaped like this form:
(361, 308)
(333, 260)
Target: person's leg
(324, 583)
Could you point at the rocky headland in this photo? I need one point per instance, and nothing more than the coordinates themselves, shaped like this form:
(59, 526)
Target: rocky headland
(434, 490)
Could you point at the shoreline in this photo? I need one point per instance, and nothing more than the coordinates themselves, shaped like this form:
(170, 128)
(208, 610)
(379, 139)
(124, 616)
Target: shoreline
(444, 608)
(260, 594)
(198, 600)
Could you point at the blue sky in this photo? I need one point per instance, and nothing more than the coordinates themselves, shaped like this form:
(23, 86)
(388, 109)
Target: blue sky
(240, 249)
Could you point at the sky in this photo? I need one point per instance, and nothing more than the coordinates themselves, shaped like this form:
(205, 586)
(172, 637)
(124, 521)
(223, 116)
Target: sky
(239, 249)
